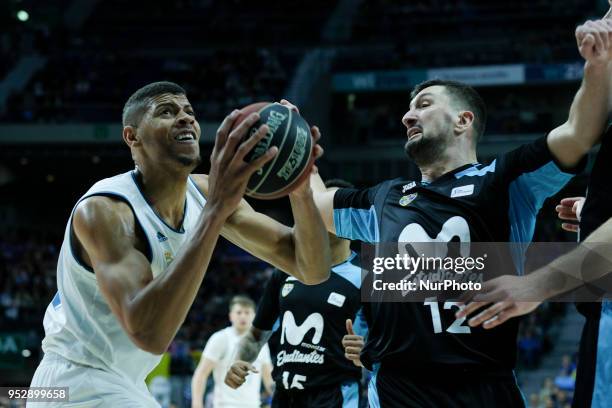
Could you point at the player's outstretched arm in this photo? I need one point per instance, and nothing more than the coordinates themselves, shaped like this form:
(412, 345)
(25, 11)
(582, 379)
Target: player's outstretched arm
(151, 309)
(589, 110)
(506, 297)
(248, 350)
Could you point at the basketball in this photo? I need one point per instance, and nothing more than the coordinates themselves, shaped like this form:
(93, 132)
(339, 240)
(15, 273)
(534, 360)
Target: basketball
(291, 165)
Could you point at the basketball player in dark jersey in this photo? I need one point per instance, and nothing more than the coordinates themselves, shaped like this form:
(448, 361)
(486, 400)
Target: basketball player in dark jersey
(589, 265)
(421, 354)
(305, 325)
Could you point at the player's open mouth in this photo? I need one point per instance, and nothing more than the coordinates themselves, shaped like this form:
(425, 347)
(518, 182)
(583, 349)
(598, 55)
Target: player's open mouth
(414, 131)
(185, 137)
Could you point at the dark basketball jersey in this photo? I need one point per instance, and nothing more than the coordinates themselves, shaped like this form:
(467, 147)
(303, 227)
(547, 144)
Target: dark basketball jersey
(309, 322)
(594, 376)
(475, 203)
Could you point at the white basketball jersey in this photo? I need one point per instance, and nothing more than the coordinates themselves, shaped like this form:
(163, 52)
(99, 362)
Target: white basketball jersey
(79, 324)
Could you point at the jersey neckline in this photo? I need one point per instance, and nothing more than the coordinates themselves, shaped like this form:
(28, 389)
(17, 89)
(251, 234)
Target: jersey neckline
(449, 174)
(181, 229)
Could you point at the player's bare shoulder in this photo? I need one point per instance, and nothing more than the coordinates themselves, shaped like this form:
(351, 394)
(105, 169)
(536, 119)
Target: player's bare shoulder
(104, 226)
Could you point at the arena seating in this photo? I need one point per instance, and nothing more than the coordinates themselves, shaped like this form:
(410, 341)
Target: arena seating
(234, 67)
(429, 33)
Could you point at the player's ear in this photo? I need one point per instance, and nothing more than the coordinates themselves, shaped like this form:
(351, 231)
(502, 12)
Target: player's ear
(464, 122)
(130, 136)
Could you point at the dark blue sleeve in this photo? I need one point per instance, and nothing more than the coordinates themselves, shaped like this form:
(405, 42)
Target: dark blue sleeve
(355, 216)
(268, 306)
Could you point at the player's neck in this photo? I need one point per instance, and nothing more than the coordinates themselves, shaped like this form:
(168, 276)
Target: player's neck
(340, 250)
(433, 171)
(166, 193)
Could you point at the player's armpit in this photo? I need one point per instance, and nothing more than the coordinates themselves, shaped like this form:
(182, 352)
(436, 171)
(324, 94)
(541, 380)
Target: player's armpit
(105, 229)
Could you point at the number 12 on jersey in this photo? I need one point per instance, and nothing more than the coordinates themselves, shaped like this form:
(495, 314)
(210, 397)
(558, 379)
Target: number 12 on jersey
(457, 326)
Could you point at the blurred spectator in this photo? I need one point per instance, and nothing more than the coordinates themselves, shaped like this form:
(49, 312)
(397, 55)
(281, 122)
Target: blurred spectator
(566, 378)
(530, 348)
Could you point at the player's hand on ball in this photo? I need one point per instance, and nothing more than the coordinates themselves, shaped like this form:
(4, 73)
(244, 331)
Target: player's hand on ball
(570, 209)
(500, 299)
(353, 344)
(316, 133)
(304, 187)
(594, 40)
(237, 373)
(229, 172)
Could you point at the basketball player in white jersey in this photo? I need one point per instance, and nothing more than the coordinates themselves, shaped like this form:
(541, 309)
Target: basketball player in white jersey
(220, 353)
(137, 246)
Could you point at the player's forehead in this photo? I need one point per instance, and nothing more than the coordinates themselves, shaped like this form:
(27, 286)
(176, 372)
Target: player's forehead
(179, 100)
(238, 308)
(436, 92)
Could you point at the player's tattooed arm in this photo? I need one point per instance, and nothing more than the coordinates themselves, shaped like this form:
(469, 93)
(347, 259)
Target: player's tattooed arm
(252, 343)
(589, 110)
(248, 350)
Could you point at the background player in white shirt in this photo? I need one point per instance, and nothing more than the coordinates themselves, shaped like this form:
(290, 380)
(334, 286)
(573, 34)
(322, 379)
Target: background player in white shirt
(219, 354)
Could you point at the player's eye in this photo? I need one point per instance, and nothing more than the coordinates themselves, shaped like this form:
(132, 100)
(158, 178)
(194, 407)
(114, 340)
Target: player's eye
(425, 104)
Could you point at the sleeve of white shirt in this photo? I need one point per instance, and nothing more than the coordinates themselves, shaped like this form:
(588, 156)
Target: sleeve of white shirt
(264, 355)
(215, 348)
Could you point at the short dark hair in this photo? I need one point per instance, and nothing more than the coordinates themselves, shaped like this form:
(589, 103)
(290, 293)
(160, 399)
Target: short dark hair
(340, 183)
(243, 301)
(464, 96)
(137, 104)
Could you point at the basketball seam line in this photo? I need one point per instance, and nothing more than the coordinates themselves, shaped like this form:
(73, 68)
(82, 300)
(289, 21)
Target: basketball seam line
(280, 148)
(306, 167)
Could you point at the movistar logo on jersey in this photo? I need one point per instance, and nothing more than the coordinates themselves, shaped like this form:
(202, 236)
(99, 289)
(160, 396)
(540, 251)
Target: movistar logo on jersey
(453, 227)
(161, 237)
(295, 334)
